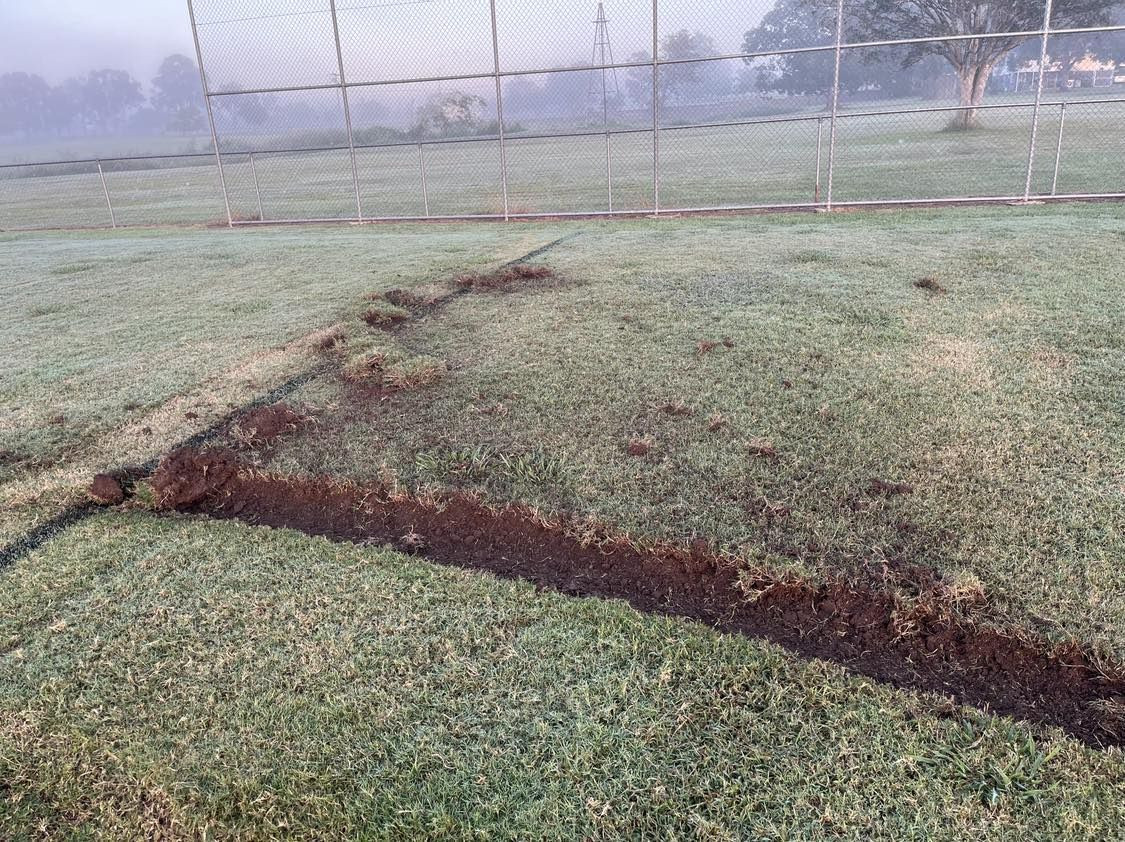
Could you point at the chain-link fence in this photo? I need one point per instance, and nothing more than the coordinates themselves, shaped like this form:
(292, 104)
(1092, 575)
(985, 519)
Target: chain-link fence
(422, 109)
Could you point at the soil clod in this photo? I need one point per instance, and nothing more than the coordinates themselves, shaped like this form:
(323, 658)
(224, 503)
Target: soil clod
(264, 426)
(189, 477)
(106, 490)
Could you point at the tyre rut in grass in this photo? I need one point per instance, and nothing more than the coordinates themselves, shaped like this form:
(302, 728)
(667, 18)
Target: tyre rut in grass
(920, 644)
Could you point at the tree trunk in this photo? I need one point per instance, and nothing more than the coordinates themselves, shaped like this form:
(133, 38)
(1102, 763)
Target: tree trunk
(972, 80)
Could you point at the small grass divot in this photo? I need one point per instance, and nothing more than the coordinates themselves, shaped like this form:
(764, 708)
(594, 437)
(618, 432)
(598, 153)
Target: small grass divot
(929, 283)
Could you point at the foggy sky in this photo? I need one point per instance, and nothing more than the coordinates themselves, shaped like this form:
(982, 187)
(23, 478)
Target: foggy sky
(61, 38)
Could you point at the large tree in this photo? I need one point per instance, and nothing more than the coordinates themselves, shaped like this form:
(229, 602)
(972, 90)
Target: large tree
(450, 113)
(797, 24)
(24, 104)
(792, 25)
(108, 97)
(972, 59)
(686, 82)
(177, 94)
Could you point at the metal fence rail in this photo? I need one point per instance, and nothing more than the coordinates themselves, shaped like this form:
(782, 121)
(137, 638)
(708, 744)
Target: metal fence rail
(273, 162)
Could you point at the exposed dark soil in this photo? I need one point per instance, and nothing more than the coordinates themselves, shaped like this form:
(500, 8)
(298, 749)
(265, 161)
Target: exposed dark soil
(706, 346)
(188, 477)
(921, 644)
(378, 318)
(930, 284)
(677, 409)
(639, 447)
(263, 426)
(505, 277)
(107, 490)
(762, 449)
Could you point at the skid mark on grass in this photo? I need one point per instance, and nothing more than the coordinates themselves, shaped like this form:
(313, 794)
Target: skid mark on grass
(142, 441)
(78, 511)
(921, 644)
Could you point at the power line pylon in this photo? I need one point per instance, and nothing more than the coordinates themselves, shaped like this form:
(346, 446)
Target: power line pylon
(603, 82)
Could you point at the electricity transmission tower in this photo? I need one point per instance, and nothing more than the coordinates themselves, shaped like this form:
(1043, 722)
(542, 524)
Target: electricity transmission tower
(603, 83)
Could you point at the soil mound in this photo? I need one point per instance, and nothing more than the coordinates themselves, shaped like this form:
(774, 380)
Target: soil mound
(265, 425)
(930, 284)
(190, 477)
(106, 490)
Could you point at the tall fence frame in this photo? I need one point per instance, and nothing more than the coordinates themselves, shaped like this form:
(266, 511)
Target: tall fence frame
(822, 176)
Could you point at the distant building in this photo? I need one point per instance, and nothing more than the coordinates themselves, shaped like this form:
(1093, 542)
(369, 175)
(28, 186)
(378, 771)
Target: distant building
(1087, 72)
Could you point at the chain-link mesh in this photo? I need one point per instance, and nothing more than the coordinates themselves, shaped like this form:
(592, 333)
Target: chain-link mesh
(165, 190)
(346, 109)
(52, 195)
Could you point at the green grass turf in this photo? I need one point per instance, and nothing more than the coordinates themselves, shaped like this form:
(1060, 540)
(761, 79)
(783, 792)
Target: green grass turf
(215, 680)
(1001, 402)
(94, 322)
(112, 341)
(248, 681)
(878, 157)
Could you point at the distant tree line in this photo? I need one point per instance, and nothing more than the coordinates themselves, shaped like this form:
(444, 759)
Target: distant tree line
(103, 102)
(112, 101)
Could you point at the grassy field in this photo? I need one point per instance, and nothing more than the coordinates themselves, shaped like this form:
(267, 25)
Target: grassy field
(191, 678)
(878, 158)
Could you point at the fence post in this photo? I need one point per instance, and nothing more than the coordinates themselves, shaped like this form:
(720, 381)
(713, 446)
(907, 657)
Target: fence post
(1038, 99)
(499, 109)
(422, 170)
(347, 110)
(108, 201)
(655, 111)
(210, 112)
(819, 136)
(257, 188)
(835, 102)
(1058, 148)
(605, 128)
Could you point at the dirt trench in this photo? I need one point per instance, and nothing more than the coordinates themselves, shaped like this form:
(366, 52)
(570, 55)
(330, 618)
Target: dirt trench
(921, 645)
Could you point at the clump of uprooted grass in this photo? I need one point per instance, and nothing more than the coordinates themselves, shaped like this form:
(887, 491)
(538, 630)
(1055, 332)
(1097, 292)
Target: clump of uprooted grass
(377, 359)
(505, 277)
(366, 356)
(328, 338)
(930, 284)
(384, 314)
(412, 372)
